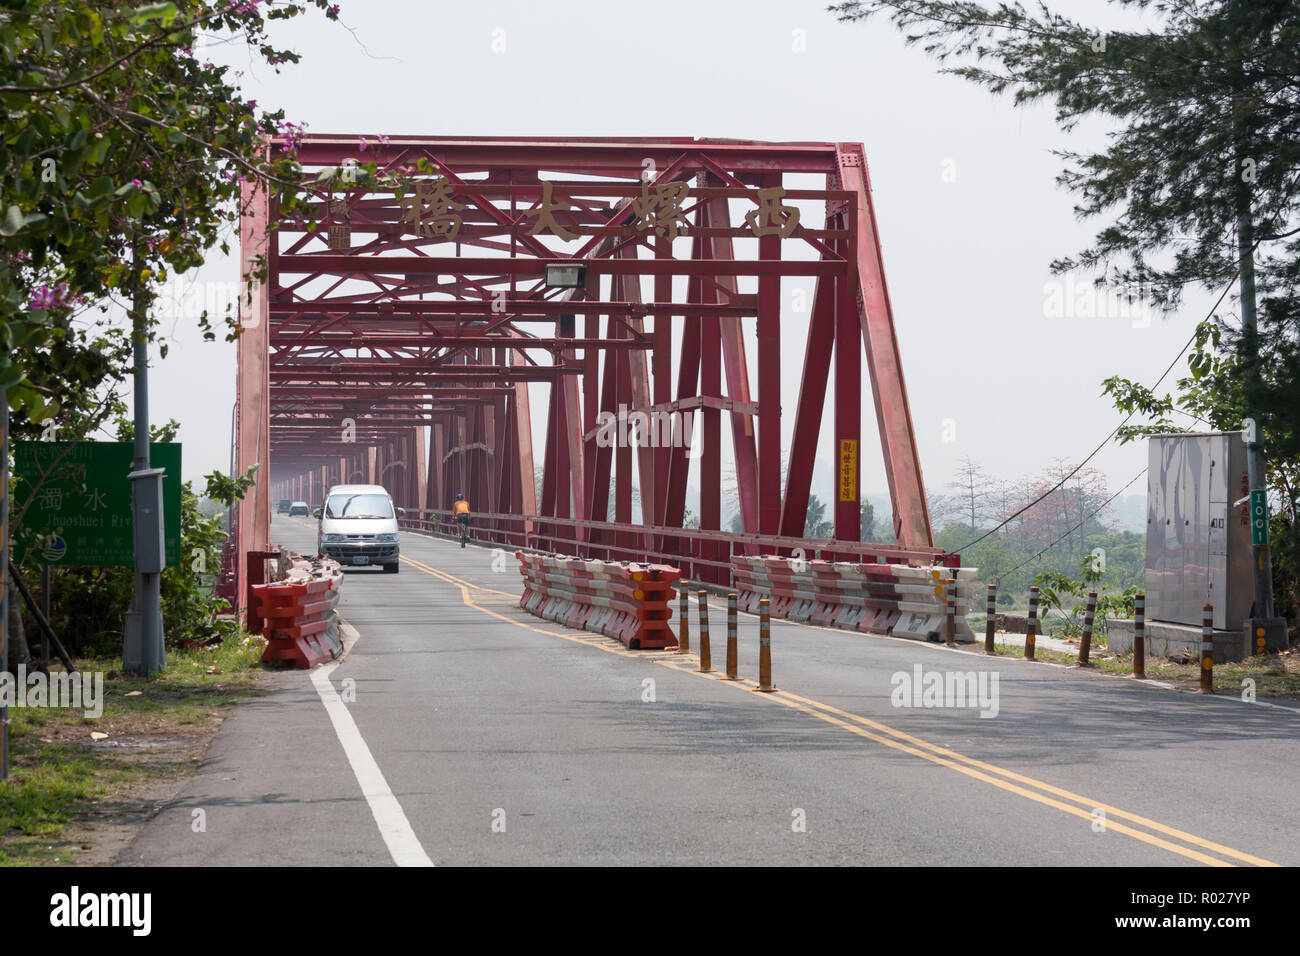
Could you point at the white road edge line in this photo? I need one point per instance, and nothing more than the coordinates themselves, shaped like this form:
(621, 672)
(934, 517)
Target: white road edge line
(403, 845)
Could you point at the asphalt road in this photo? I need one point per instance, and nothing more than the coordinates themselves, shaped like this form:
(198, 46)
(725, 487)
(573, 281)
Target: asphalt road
(495, 737)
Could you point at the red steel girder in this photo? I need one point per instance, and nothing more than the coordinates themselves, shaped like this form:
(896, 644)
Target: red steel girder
(545, 310)
(416, 340)
(337, 265)
(595, 156)
(876, 314)
(408, 341)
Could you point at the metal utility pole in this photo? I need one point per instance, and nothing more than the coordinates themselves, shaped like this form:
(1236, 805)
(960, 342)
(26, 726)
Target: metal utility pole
(45, 609)
(142, 646)
(1263, 629)
(1261, 559)
(4, 578)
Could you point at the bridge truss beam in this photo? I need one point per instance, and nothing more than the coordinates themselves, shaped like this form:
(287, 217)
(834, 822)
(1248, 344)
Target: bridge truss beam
(401, 323)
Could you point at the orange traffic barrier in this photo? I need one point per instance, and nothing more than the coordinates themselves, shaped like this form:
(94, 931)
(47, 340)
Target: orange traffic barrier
(868, 597)
(626, 601)
(300, 613)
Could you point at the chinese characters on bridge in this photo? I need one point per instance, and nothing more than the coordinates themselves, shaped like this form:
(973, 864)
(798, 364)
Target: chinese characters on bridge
(429, 210)
(848, 469)
(545, 214)
(660, 209)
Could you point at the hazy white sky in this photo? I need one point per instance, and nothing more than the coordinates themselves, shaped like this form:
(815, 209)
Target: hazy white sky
(968, 209)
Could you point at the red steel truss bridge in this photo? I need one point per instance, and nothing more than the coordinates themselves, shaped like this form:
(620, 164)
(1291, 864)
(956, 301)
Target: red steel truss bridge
(404, 326)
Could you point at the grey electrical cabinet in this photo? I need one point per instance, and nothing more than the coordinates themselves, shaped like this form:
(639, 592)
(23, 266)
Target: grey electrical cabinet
(1198, 535)
(147, 527)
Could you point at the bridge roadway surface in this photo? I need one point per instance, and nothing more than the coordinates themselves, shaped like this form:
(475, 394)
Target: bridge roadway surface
(470, 711)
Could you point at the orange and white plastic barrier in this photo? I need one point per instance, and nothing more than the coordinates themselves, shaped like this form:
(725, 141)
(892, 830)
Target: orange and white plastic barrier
(300, 613)
(626, 601)
(894, 599)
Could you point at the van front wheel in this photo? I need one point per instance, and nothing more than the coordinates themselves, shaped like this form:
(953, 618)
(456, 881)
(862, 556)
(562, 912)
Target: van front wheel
(390, 568)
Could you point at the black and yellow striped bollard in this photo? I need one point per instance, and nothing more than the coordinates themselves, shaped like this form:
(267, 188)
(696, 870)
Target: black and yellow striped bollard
(950, 614)
(1031, 624)
(684, 619)
(732, 650)
(990, 619)
(706, 662)
(1085, 642)
(1140, 636)
(764, 647)
(1207, 649)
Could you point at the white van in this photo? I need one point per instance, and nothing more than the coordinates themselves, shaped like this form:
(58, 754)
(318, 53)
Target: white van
(358, 526)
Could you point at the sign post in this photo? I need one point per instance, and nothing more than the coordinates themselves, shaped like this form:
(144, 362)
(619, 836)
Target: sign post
(4, 579)
(86, 505)
(76, 499)
(1259, 518)
(848, 469)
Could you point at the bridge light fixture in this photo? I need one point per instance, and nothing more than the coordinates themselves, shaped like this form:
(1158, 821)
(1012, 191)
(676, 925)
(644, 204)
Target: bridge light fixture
(566, 275)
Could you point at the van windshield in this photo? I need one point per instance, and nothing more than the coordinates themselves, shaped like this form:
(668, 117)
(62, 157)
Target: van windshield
(359, 506)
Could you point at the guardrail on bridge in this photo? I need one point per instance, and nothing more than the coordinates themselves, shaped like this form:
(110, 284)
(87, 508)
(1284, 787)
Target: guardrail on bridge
(702, 556)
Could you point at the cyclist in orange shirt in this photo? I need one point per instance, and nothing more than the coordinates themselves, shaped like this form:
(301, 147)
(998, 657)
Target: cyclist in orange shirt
(461, 510)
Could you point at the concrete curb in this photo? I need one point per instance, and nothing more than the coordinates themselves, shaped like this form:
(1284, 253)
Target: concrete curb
(350, 635)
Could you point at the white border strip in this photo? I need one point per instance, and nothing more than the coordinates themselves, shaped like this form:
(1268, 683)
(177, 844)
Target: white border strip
(403, 845)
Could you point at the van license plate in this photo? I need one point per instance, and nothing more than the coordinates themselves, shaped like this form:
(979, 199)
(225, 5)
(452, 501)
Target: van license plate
(360, 559)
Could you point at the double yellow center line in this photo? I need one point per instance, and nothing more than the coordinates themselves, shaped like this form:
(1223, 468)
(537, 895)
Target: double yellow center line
(1152, 833)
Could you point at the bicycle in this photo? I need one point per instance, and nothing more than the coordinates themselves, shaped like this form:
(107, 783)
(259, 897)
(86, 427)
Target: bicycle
(463, 521)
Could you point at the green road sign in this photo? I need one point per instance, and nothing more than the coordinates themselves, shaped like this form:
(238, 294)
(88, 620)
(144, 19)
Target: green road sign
(1258, 517)
(80, 513)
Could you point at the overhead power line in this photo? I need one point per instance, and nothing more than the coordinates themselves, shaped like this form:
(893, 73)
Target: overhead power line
(1106, 441)
(1076, 527)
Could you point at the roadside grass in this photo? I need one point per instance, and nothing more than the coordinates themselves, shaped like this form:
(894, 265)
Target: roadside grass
(1054, 624)
(150, 731)
(1276, 676)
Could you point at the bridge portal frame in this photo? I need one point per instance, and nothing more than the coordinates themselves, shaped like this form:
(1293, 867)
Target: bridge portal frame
(372, 317)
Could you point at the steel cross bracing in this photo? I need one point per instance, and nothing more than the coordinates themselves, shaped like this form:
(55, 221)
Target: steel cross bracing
(402, 320)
